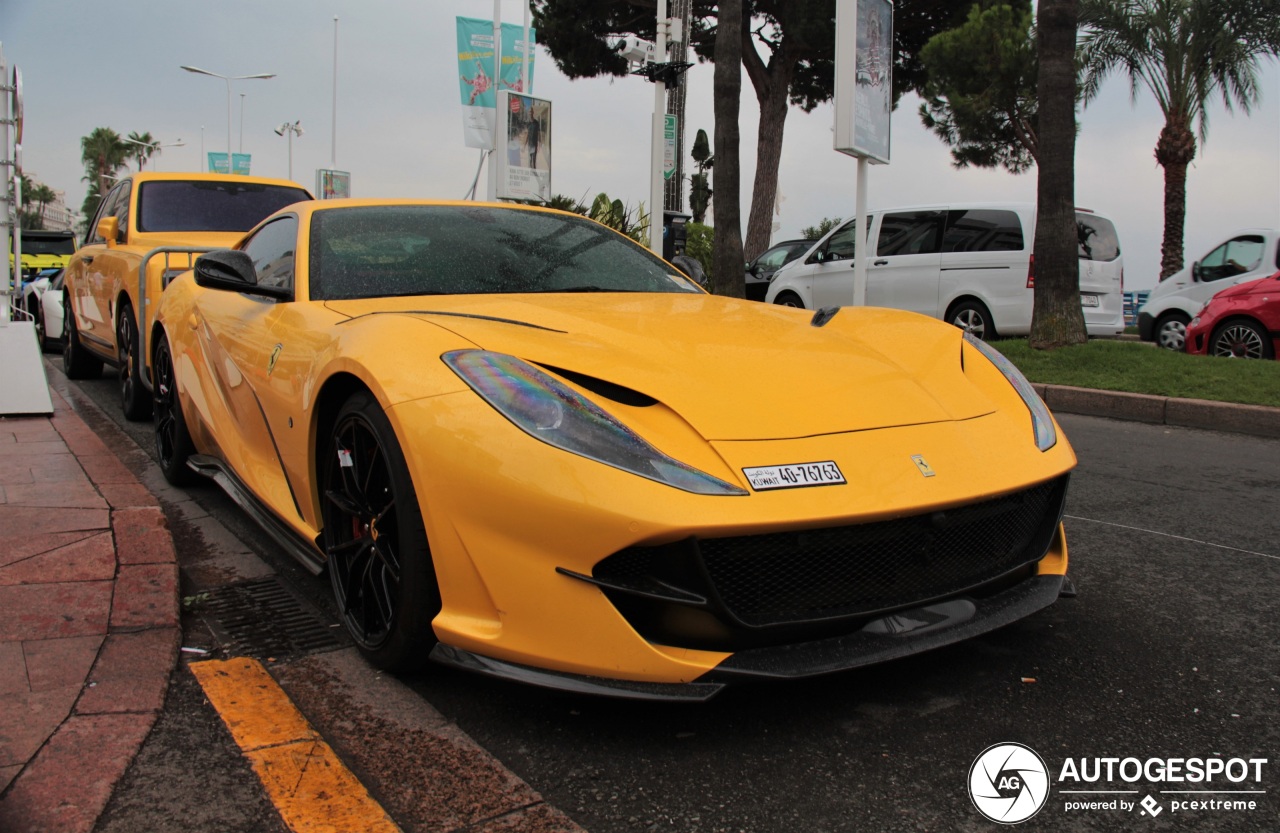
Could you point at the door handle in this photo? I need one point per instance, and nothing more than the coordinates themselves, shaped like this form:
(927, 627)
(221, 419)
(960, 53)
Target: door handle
(880, 263)
(87, 258)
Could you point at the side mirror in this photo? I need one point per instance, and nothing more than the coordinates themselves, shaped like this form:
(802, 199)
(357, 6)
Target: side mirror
(233, 270)
(109, 230)
(1196, 271)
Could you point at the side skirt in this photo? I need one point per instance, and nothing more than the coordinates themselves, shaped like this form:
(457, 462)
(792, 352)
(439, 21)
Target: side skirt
(294, 544)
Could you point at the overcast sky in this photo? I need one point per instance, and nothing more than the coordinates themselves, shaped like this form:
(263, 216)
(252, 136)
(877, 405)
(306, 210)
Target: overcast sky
(399, 120)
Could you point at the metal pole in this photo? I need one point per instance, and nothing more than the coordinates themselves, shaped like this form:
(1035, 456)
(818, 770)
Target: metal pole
(492, 194)
(656, 183)
(528, 48)
(860, 243)
(333, 139)
(242, 122)
(7, 212)
(290, 132)
(228, 80)
(204, 160)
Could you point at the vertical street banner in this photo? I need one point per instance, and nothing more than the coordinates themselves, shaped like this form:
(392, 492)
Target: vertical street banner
(240, 163)
(524, 147)
(864, 78)
(480, 81)
(669, 128)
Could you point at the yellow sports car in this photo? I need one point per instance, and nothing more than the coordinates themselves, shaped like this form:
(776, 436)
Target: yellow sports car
(521, 444)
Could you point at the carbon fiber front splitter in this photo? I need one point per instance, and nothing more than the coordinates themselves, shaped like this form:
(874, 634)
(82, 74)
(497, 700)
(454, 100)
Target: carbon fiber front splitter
(897, 635)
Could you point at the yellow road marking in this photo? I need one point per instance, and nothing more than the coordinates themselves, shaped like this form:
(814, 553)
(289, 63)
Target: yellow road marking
(313, 791)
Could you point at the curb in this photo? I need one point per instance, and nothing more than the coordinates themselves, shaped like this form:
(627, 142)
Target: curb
(1255, 420)
(67, 783)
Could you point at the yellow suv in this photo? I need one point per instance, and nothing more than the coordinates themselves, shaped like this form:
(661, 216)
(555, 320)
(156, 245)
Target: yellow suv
(150, 227)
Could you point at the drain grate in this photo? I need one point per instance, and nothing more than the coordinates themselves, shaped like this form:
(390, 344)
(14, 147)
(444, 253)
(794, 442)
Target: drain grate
(263, 619)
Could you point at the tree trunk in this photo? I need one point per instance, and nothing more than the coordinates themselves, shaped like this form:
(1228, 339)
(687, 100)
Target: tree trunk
(772, 85)
(1174, 151)
(1056, 320)
(727, 176)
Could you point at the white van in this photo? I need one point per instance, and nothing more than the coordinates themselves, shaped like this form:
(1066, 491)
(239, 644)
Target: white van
(1247, 255)
(968, 264)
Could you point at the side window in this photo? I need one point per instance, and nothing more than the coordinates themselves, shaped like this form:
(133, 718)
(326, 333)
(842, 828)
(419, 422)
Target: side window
(983, 230)
(841, 245)
(272, 252)
(910, 233)
(1235, 257)
(121, 208)
(106, 208)
(1097, 238)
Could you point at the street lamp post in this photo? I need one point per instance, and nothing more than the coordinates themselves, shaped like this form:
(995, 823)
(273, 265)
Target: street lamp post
(155, 148)
(229, 79)
(294, 129)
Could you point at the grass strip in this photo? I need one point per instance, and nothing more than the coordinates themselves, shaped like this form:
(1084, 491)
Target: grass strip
(1138, 367)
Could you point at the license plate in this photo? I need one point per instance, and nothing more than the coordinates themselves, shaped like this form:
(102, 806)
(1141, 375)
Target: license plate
(1088, 300)
(794, 475)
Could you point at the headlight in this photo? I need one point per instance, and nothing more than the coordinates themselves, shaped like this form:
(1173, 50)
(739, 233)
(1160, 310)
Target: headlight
(1046, 435)
(548, 410)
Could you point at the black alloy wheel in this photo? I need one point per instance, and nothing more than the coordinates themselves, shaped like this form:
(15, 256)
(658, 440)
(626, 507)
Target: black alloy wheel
(374, 537)
(134, 400)
(173, 442)
(77, 362)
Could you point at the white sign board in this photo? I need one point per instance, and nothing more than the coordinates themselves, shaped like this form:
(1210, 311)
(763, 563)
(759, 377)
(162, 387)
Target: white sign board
(864, 78)
(524, 147)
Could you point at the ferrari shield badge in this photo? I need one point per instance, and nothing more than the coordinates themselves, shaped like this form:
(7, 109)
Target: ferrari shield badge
(921, 464)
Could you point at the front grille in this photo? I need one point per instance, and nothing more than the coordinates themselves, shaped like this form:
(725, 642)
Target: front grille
(851, 570)
(781, 581)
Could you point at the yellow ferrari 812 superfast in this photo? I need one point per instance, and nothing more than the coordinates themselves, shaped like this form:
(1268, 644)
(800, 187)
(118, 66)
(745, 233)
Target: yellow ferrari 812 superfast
(521, 444)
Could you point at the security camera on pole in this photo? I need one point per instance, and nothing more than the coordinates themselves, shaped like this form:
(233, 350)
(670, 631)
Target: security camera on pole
(294, 129)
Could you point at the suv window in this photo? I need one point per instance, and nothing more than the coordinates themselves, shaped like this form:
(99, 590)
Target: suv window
(1235, 257)
(983, 230)
(1097, 237)
(840, 246)
(272, 249)
(910, 233)
(107, 208)
(205, 205)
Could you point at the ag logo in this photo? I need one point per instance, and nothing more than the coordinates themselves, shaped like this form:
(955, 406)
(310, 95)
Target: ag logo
(1008, 783)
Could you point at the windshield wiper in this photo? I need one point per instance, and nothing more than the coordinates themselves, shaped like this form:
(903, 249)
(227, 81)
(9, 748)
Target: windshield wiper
(583, 288)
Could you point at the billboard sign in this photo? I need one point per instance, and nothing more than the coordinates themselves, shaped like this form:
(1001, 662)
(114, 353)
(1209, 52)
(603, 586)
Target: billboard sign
(332, 185)
(477, 85)
(524, 151)
(864, 78)
(669, 129)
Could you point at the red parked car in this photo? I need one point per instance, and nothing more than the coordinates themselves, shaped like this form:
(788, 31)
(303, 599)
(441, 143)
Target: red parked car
(1241, 321)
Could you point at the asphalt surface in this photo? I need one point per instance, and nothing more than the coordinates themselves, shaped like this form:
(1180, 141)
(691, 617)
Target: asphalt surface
(1168, 651)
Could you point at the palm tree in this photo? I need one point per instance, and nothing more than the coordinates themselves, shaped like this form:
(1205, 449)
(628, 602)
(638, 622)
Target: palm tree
(42, 195)
(142, 147)
(104, 153)
(1186, 52)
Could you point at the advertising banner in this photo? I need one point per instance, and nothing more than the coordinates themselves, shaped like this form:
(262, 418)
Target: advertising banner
(479, 81)
(332, 185)
(239, 163)
(864, 78)
(524, 147)
(669, 145)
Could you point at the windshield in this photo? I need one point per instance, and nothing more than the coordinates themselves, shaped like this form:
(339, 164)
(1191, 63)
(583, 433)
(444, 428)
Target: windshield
(385, 250)
(206, 205)
(48, 244)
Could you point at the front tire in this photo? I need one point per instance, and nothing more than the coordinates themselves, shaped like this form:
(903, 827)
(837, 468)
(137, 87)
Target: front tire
(1241, 340)
(375, 539)
(134, 400)
(1171, 331)
(77, 362)
(173, 442)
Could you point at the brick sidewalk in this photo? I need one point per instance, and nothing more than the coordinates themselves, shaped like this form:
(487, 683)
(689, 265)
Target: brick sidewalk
(89, 632)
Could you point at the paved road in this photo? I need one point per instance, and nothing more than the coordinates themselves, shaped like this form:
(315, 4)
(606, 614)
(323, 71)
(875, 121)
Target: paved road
(1171, 650)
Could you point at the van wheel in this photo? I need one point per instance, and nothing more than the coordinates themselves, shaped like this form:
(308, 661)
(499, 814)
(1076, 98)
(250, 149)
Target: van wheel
(973, 317)
(134, 399)
(1171, 331)
(77, 362)
(789, 299)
